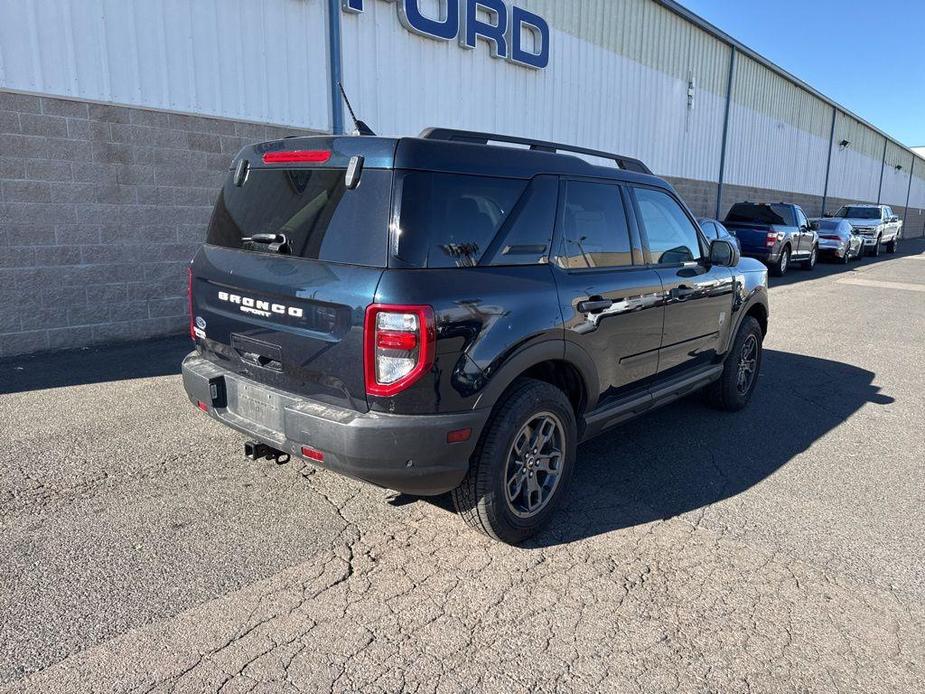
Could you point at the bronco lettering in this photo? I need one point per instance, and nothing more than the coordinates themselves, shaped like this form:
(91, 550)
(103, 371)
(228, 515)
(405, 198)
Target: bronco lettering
(260, 308)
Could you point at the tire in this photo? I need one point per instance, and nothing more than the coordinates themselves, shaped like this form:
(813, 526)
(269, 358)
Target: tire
(484, 499)
(893, 245)
(811, 262)
(875, 251)
(726, 393)
(779, 269)
(845, 258)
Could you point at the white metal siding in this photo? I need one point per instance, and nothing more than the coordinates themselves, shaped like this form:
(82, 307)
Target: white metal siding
(917, 193)
(896, 182)
(856, 169)
(589, 95)
(617, 80)
(778, 134)
(260, 60)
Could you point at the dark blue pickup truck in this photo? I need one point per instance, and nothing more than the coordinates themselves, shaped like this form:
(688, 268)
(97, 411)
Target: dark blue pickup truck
(775, 233)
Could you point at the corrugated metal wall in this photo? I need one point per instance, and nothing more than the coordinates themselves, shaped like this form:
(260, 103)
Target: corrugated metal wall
(589, 94)
(778, 133)
(856, 168)
(896, 181)
(260, 60)
(917, 192)
(618, 80)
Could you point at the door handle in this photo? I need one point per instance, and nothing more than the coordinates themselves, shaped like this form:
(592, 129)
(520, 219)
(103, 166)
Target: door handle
(594, 304)
(682, 291)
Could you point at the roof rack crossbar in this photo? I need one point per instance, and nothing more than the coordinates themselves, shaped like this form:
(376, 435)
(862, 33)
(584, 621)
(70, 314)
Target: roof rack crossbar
(473, 137)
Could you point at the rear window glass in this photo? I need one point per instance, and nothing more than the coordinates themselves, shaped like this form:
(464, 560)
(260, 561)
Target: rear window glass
(450, 220)
(311, 210)
(755, 213)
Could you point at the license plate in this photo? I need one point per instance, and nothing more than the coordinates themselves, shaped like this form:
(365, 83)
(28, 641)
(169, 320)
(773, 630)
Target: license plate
(259, 406)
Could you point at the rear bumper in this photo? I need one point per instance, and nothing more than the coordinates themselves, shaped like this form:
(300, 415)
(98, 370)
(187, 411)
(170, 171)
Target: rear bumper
(766, 255)
(407, 453)
(833, 248)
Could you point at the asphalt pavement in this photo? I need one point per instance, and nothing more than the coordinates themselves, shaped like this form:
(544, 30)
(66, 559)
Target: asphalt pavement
(776, 549)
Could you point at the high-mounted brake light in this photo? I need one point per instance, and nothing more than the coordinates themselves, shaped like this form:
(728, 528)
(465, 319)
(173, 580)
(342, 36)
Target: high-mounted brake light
(398, 347)
(297, 156)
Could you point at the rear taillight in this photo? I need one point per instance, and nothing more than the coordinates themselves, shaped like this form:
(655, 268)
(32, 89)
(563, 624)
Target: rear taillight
(831, 238)
(189, 302)
(398, 347)
(297, 156)
(774, 237)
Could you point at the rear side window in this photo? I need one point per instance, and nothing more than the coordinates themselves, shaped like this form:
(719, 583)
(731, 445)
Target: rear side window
(526, 236)
(594, 228)
(312, 209)
(450, 220)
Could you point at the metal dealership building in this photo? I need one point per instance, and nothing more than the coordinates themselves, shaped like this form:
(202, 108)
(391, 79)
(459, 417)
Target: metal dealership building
(118, 120)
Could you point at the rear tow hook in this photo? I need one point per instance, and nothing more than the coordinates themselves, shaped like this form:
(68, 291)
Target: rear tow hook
(256, 450)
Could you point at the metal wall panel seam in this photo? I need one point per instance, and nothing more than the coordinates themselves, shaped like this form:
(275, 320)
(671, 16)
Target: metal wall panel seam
(909, 189)
(722, 152)
(882, 167)
(828, 166)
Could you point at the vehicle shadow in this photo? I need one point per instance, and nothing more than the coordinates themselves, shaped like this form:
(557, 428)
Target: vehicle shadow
(72, 367)
(826, 266)
(687, 456)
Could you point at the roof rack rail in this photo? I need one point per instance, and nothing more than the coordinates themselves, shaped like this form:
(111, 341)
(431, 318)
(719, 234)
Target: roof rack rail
(627, 163)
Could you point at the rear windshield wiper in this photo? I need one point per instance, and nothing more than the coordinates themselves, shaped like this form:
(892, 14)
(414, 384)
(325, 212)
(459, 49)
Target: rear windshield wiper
(276, 243)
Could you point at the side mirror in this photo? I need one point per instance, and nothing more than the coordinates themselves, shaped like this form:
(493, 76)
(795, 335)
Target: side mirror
(894, 218)
(814, 226)
(724, 253)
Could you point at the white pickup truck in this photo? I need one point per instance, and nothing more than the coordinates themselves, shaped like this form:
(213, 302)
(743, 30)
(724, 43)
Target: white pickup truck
(875, 224)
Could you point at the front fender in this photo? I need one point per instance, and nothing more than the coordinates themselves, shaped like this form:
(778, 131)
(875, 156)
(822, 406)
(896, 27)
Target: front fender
(751, 289)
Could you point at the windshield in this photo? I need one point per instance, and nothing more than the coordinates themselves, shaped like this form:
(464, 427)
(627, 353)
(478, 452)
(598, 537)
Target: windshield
(756, 213)
(848, 212)
(306, 213)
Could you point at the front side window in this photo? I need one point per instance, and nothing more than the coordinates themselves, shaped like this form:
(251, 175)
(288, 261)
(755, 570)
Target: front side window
(801, 219)
(594, 228)
(671, 234)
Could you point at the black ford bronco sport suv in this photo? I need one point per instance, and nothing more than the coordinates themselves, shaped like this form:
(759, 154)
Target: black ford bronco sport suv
(440, 314)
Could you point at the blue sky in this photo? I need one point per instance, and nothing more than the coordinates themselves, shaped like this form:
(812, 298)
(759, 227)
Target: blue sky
(867, 56)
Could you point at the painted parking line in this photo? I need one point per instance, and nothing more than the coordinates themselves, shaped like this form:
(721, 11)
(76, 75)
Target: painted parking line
(882, 285)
